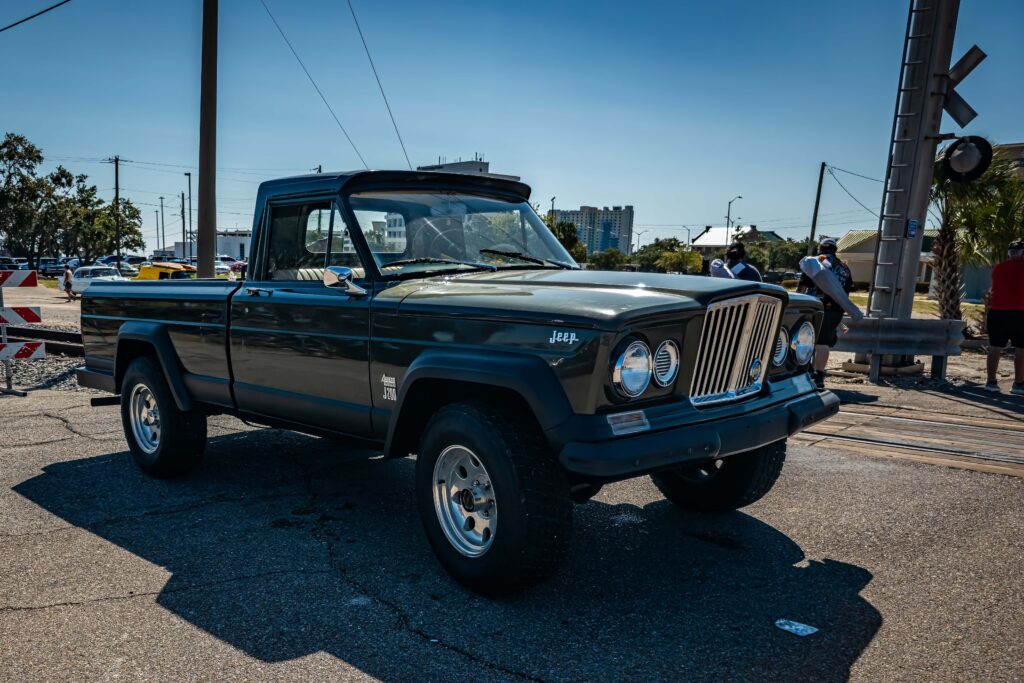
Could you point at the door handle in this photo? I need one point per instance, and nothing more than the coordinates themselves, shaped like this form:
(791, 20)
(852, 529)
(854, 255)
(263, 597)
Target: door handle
(258, 291)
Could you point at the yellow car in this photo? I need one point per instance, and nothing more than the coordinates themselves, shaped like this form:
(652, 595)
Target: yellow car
(165, 271)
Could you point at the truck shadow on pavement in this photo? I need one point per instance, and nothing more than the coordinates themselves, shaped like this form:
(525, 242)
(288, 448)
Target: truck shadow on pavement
(281, 547)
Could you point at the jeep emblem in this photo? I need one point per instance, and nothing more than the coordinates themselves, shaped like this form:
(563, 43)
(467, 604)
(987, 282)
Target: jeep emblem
(562, 337)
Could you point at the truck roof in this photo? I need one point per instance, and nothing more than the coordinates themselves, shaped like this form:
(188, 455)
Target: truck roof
(369, 180)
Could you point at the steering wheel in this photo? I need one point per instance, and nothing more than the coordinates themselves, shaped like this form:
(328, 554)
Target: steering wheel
(442, 234)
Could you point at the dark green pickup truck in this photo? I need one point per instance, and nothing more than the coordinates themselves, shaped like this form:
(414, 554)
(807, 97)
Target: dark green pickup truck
(435, 314)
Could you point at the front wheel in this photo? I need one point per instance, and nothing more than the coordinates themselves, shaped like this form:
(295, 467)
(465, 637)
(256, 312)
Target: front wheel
(495, 505)
(725, 484)
(164, 440)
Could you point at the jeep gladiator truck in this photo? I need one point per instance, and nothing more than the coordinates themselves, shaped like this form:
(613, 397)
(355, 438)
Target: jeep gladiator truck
(435, 314)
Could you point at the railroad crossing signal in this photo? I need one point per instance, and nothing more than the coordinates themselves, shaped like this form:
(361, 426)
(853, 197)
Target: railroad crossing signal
(955, 105)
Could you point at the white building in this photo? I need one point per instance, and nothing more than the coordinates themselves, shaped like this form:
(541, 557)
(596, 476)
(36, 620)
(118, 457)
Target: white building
(229, 242)
(601, 229)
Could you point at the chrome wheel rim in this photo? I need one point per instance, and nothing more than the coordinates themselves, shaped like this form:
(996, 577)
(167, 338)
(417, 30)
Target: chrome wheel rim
(145, 418)
(464, 501)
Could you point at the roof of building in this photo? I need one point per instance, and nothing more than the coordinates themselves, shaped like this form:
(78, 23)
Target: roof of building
(724, 236)
(856, 238)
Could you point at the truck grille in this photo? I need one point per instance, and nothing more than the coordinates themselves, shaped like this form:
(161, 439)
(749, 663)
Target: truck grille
(735, 347)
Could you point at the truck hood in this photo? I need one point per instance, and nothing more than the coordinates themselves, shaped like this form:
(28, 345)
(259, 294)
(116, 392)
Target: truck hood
(582, 298)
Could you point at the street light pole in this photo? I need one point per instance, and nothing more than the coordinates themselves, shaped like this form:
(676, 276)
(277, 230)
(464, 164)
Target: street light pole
(553, 212)
(638, 236)
(728, 211)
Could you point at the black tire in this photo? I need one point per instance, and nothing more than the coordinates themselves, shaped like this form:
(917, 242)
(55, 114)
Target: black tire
(182, 435)
(530, 493)
(740, 480)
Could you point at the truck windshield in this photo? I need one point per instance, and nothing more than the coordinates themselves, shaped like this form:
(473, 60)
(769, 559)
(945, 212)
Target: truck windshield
(412, 232)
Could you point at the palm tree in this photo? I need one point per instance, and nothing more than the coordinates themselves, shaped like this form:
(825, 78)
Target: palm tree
(960, 206)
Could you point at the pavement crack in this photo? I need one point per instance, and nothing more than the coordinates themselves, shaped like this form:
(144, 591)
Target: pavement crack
(163, 591)
(68, 425)
(402, 620)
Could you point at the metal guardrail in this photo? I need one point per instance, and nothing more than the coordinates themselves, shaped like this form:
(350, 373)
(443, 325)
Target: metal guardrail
(918, 337)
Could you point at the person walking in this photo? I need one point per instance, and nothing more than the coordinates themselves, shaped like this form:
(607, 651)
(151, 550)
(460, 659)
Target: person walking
(829, 335)
(66, 283)
(1006, 317)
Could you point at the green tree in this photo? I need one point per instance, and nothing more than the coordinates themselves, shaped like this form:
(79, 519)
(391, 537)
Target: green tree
(647, 256)
(961, 207)
(609, 259)
(101, 235)
(680, 261)
(781, 255)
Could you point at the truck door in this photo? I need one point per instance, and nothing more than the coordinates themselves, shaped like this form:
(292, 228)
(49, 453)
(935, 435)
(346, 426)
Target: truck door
(300, 351)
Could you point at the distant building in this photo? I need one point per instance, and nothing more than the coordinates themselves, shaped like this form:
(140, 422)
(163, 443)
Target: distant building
(715, 240)
(229, 243)
(600, 229)
(857, 249)
(477, 166)
(1013, 151)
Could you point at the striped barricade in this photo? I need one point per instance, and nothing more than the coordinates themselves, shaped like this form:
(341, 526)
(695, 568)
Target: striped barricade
(19, 315)
(18, 278)
(22, 350)
(11, 351)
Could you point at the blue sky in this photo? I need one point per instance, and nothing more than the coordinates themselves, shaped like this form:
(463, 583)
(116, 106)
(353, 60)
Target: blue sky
(672, 107)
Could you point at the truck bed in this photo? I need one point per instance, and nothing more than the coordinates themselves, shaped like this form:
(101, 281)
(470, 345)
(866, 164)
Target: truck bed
(193, 313)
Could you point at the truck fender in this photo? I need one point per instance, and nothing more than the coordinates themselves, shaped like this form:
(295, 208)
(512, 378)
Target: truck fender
(528, 376)
(154, 335)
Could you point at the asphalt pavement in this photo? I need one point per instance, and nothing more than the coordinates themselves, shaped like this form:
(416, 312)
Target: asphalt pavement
(287, 557)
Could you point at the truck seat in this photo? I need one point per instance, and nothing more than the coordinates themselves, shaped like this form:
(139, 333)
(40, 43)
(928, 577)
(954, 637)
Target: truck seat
(310, 274)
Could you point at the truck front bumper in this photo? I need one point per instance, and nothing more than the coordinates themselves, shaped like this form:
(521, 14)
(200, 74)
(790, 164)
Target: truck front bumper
(628, 456)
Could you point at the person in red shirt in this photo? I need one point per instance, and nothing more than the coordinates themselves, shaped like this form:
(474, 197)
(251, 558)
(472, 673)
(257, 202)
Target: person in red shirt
(1006, 317)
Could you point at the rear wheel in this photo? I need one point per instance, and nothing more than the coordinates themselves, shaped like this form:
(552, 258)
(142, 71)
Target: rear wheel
(164, 440)
(495, 506)
(724, 484)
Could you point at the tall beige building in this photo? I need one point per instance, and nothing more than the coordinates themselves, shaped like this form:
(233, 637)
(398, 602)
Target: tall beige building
(601, 229)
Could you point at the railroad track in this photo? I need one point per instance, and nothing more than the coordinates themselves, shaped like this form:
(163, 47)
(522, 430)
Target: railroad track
(57, 341)
(986, 444)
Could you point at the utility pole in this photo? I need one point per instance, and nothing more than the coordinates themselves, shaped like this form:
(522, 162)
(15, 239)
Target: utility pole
(184, 231)
(157, 219)
(319, 168)
(163, 226)
(817, 203)
(117, 210)
(207, 237)
(190, 233)
(728, 213)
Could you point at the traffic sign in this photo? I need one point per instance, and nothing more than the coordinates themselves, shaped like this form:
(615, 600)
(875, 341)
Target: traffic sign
(18, 278)
(19, 315)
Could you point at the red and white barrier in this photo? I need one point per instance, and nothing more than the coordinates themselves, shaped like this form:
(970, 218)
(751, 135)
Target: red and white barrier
(18, 278)
(19, 315)
(22, 351)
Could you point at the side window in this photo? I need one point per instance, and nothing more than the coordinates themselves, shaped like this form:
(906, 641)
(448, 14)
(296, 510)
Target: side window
(297, 245)
(343, 251)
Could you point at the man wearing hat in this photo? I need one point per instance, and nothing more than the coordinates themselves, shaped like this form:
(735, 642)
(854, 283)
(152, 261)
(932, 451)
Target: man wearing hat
(1006, 317)
(829, 335)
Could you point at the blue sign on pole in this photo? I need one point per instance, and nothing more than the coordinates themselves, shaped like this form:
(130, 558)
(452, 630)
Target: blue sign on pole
(911, 227)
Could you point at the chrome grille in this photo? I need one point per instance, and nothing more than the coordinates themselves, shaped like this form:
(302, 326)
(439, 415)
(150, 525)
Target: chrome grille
(735, 348)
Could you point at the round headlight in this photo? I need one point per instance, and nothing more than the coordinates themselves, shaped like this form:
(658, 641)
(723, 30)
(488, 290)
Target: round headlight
(802, 343)
(666, 363)
(781, 347)
(632, 371)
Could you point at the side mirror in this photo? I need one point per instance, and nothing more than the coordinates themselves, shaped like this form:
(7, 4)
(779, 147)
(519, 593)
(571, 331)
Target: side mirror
(341, 277)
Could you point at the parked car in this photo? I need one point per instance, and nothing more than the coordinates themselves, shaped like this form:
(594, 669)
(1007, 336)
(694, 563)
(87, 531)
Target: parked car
(165, 271)
(9, 263)
(85, 276)
(521, 382)
(50, 266)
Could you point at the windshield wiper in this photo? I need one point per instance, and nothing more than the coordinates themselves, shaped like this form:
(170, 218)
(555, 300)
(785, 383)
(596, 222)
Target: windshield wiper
(526, 257)
(431, 259)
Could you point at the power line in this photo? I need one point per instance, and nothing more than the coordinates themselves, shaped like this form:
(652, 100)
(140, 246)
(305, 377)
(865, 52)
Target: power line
(843, 170)
(850, 193)
(315, 86)
(33, 16)
(379, 84)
